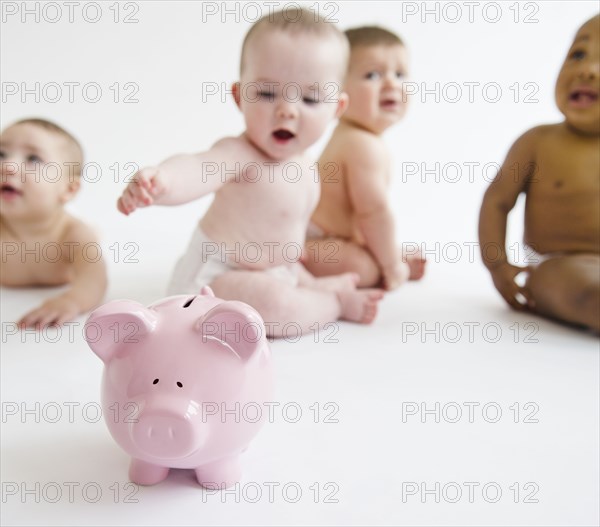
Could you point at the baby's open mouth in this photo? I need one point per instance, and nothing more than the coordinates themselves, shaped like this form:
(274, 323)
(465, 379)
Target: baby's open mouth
(583, 96)
(389, 102)
(8, 190)
(282, 135)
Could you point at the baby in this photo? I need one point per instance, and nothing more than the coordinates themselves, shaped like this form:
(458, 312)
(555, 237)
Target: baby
(557, 167)
(248, 244)
(352, 228)
(41, 244)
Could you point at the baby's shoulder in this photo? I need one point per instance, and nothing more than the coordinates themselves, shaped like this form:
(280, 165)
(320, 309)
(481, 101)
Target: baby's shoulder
(526, 145)
(237, 148)
(76, 231)
(359, 136)
(359, 143)
(229, 142)
(543, 132)
(540, 140)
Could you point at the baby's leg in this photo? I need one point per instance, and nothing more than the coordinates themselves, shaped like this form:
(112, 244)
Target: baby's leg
(282, 305)
(331, 256)
(416, 264)
(335, 282)
(568, 288)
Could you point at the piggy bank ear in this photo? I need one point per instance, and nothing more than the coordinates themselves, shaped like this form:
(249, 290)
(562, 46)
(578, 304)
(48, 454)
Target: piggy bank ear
(236, 324)
(115, 323)
(207, 291)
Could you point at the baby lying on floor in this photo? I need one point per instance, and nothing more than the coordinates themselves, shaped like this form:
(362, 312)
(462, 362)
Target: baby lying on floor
(41, 244)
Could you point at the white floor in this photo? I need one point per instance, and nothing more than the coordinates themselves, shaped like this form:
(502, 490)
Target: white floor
(368, 459)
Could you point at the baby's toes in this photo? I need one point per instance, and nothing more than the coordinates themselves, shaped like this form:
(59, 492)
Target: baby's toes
(375, 295)
(370, 313)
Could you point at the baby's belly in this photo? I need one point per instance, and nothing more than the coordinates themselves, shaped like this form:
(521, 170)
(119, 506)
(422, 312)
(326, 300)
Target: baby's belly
(256, 248)
(555, 227)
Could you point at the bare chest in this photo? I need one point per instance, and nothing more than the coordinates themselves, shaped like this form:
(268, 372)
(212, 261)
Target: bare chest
(566, 174)
(276, 191)
(562, 210)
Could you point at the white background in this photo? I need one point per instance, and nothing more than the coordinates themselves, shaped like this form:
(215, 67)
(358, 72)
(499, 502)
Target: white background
(172, 55)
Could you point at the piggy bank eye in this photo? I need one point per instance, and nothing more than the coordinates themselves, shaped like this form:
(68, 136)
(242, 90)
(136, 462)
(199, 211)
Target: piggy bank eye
(179, 384)
(155, 381)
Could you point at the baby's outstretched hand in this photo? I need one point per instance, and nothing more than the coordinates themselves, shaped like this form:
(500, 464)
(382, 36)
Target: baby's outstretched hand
(142, 191)
(504, 279)
(54, 311)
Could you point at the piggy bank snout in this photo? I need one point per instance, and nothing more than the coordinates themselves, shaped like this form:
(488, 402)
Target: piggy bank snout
(167, 432)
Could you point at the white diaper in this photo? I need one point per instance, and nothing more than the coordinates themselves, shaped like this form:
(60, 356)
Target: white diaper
(195, 269)
(532, 258)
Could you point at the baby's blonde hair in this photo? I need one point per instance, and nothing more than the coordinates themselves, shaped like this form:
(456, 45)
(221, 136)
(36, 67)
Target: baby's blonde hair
(372, 36)
(298, 21)
(73, 144)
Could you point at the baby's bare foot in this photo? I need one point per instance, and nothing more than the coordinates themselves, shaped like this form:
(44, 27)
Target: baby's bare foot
(416, 264)
(359, 305)
(339, 282)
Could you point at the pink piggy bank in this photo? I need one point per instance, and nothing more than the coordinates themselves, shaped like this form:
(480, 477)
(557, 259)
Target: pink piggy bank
(185, 383)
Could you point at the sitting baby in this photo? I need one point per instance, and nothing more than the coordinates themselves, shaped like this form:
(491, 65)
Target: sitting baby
(557, 168)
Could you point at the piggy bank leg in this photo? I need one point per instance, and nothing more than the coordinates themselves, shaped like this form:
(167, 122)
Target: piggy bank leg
(220, 474)
(144, 473)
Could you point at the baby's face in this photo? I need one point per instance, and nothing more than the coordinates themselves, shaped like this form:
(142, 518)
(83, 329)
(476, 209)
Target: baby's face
(375, 85)
(578, 83)
(289, 91)
(35, 180)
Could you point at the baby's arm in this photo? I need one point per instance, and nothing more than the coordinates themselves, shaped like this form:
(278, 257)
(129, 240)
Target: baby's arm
(184, 178)
(498, 201)
(87, 288)
(367, 186)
